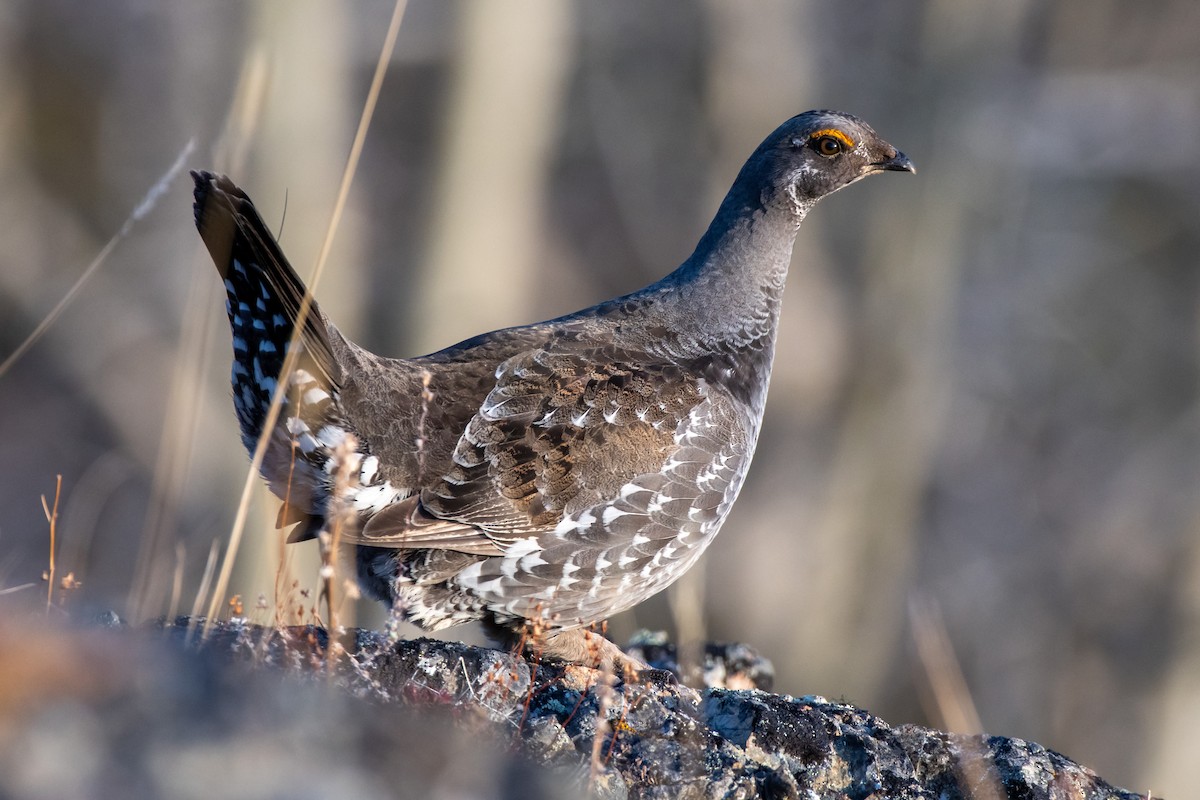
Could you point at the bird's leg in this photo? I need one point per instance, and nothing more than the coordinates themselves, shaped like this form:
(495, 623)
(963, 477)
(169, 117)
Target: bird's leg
(590, 649)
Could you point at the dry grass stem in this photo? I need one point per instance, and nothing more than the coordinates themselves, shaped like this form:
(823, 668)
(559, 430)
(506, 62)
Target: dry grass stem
(210, 567)
(426, 401)
(52, 518)
(533, 632)
(604, 695)
(179, 430)
(283, 571)
(685, 598)
(272, 415)
(953, 709)
(143, 208)
(339, 512)
(245, 112)
(177, 581)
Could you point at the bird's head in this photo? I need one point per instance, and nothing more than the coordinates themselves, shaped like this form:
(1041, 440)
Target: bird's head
(816, 153)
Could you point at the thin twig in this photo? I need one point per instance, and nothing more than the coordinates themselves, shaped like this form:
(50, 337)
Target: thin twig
(470, 685)
(616, 729)
(52, 518)
(533, 674)
(575, 709)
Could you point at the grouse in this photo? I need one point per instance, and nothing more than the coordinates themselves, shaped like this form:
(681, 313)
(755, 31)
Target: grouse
(545, 477)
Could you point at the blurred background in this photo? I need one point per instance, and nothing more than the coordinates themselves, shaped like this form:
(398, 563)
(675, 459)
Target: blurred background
(984, 405)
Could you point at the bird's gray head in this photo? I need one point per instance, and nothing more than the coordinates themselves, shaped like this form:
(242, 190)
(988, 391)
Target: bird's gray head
(814, 154)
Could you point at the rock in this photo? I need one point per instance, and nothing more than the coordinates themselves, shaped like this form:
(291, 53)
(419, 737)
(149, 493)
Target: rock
(256, 711)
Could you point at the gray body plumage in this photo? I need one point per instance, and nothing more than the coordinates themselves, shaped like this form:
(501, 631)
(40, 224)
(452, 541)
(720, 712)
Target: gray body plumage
(558, 472)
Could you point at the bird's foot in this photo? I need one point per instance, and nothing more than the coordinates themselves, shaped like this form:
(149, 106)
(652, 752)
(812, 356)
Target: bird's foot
(590, 649)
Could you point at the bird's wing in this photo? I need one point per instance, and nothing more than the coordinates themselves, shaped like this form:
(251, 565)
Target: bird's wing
(409, 525)
(564, 432)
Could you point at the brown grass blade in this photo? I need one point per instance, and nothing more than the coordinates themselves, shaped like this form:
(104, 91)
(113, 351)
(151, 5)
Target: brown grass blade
(239, 523)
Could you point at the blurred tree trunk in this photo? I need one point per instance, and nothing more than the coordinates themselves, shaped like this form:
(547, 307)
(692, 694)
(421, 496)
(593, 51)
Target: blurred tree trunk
(488, 227)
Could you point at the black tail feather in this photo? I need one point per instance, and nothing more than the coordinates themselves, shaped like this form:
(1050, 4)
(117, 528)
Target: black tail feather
(235, 235)
(263, 299)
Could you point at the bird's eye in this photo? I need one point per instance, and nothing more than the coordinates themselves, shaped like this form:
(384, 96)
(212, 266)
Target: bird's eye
(827, 146)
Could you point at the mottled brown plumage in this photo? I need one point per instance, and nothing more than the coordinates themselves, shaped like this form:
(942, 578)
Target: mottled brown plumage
(554, 473)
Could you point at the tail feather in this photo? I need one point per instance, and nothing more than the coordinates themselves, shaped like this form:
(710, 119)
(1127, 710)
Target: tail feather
(245, 252)
(263, 298)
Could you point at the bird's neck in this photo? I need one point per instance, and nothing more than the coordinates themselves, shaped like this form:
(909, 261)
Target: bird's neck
(729, 291)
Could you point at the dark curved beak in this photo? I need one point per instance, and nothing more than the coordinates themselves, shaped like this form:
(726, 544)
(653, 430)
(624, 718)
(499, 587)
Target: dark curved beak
(897, 163)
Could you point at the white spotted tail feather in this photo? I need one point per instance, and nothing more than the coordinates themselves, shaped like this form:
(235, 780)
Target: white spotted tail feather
(263, 295)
